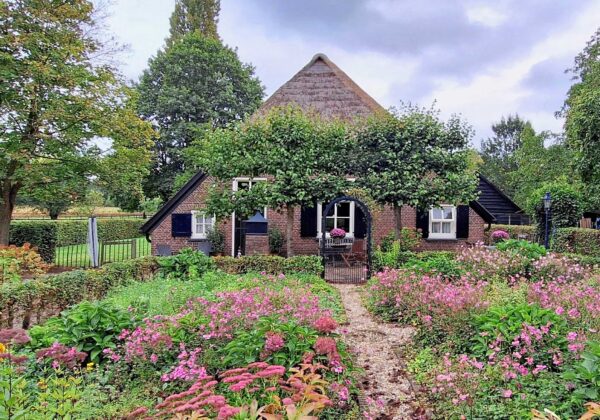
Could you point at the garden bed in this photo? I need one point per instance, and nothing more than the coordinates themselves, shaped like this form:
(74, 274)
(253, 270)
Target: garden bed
(499, 332)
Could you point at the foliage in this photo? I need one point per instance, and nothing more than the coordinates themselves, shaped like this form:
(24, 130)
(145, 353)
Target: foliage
(414, 159)
(192, 16)
(188, 264)
(586, 373)
(276, 240)
(50, 294)
(436, 264)
(57, 99)
(528, 249)
(41, 234)
(189, 87)
(393, 253)
(18, 261)
(151, 205)
(277, 145)
(582, 115)
(58, 197)
(216, 237)
(310, 264)
(566, 209)
(579, 241)
(89, 327)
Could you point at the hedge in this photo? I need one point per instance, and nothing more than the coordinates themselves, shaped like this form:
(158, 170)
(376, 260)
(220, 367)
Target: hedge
(47, 296)
(46, 235)
(270, 264)
(577, 241)
(528, 232)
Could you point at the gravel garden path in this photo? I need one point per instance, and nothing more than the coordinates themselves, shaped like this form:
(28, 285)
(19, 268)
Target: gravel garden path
(377, 347)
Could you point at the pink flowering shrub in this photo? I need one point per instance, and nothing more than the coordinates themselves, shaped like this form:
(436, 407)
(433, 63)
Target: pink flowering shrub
(499, 235)
(485, 263)
(325, 325)
(61, 356)
(553, 267)
(441, 307)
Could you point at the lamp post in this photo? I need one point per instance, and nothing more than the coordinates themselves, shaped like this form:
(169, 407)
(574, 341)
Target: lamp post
(547, 205)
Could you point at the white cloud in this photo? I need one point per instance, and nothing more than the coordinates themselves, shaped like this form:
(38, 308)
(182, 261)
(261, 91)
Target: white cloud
(486, 15)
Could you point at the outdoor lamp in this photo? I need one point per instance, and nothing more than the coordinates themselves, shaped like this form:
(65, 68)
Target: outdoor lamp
(547, 201)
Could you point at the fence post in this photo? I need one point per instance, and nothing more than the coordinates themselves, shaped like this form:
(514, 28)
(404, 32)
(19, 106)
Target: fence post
(93, 241)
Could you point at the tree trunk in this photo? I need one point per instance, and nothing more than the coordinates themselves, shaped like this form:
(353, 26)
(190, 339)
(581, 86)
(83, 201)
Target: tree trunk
(53, 215)
(7, 205)
(397, 220)
(289, 228)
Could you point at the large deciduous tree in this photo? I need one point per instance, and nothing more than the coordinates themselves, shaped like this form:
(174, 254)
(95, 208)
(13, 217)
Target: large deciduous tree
(582, 115)
(56, 98)
(194, 85)
(194, 16)
(415, 159)
(498, 151)
(304, 157)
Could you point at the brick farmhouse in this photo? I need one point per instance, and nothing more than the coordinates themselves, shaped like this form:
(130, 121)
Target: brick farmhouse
(322, 87)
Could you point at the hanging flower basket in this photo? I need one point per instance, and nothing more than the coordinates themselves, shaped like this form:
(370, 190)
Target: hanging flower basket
(337, 234)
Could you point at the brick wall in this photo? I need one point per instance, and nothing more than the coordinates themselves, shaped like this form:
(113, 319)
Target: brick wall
(257, 245)
(383, 224)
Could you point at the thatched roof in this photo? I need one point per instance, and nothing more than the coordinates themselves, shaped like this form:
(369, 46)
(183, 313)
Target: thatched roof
(323, 87)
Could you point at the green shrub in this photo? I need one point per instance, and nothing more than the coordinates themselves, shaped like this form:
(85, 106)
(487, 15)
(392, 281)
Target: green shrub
(528, 249)
(438, 263)
(53, 293)
(270, 264)
(188, 264)
(566, 205)
(586, 374)
(90, 327)
(578, 241)
(42, 234)
(394, 257)
(276, 241)
(216, 237)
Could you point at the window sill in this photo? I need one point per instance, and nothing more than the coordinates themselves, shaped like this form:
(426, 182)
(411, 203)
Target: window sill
(192, 239)
(444, 239)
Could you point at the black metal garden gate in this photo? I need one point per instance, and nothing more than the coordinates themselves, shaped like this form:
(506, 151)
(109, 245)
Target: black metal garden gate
(348, 259)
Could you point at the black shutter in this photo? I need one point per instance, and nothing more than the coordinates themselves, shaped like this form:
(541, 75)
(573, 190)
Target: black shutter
(181, 225)
(462, 222)
(308, 222)
(360, 223)
(423, 222)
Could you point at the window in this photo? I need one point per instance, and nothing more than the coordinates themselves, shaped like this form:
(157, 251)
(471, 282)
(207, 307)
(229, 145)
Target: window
(341, 216)
(201, 225)
(442, 222)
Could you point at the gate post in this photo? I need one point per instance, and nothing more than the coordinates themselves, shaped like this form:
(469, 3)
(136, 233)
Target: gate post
(92, 240)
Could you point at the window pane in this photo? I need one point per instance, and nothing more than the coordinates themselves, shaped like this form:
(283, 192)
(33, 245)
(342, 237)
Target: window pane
(435, 227)
(448, 213)
(343, 223)
(446, 227)
(437, 213)
(330, 223)
(243, 185)
(331, 211)
(343, 209)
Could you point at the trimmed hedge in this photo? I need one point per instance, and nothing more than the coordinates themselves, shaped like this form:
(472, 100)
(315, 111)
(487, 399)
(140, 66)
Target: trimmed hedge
(270, 264)
(515, 232)
(46, 235)
(577, 241)
(47, 296)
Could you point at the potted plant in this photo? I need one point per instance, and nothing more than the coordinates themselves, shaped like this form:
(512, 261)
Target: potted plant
(499, 236)
(216, 237)
(337, 234)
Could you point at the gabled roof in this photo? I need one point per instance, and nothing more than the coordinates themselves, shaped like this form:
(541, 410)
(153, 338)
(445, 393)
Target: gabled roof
(170, 205)
(482, 211)
(323, 87)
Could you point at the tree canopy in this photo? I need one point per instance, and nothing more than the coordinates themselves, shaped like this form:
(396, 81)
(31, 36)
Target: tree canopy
(194, 16)
(58, 99)
(194, 85)
(303, 156)
(415, 159)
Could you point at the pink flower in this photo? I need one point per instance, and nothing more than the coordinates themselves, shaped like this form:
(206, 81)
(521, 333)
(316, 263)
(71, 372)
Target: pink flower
(325, 325)
(507, 393)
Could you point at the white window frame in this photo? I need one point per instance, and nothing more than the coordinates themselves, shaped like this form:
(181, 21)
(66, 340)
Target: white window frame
(350, 233)
(195, 214)
(234, 187)
(441, 235)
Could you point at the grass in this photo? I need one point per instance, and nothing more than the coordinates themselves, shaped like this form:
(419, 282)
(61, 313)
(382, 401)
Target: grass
(164, 296)
(78, 255)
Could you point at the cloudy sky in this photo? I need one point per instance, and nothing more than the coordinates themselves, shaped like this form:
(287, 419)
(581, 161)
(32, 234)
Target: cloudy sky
(482, 59)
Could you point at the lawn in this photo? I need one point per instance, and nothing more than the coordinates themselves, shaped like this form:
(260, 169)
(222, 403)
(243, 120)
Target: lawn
(78, 255)
(192, 342)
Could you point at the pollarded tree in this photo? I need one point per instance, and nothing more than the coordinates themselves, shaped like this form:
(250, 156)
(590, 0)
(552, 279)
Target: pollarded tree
(194, 85)
(302, 155)
(56, 100)
(414, 159)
